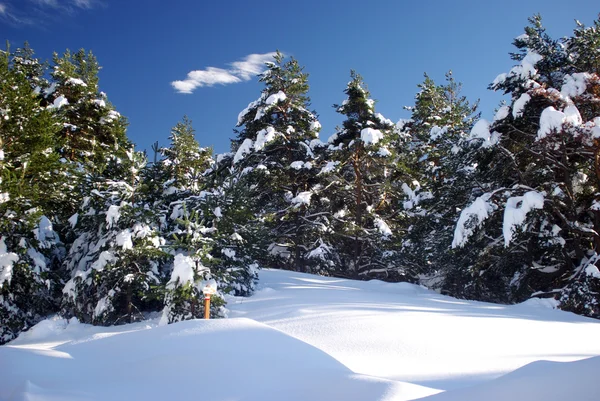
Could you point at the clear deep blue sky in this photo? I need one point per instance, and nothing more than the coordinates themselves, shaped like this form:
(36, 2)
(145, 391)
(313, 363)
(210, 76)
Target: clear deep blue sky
(143, 46)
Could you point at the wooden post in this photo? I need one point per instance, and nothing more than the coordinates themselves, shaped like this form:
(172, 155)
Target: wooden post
(207, 306)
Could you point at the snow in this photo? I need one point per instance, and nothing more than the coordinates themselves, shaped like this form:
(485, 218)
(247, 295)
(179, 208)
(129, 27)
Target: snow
(76, 81)
(516, 210)
(384, 152)
(123, 239)
(59, 102)
(73, 220)
(217, 212)
(100, 103)
(499, 79)
(303, 337)
(382, 227)
(471, 218)
(183, 271)
(551, 121)
(243, 150)
(112, 215)
(303, 198)
(520, 104)
(250, 106)
(481, 130)
(315, 125)
(230, 253)
(299, 164)
(502, 113)
(572, 115)
(371, 136)
(105, 258)
(44, 231)
(526, 69)
(263, 137)
(436, 132)
(574, 85)
(275, 98)
(7, 259)
(329, 167)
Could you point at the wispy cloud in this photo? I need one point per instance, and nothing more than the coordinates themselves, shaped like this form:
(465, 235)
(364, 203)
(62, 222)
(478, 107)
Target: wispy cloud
(239, 71)
(30, 12)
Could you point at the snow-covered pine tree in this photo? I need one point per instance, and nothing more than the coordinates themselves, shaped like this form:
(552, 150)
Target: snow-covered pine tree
(32, 188)
(184, 160)
(274, 159)
(440, 122)
(202, 227)
(93, 132)
(534, 222)
(118, 259)
(360, 163)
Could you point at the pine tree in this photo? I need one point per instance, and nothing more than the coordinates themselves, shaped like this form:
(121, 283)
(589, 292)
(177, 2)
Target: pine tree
(118, 260)
(93, 132)
(440, 123)
(274, 159)
(202, 227)
(32, 188)
(533, 221)
(362, 194)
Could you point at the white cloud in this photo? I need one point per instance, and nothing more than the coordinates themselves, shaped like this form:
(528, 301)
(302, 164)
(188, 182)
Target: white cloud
(42, 12)
(83, 3)
(240, 71)
(47, 3)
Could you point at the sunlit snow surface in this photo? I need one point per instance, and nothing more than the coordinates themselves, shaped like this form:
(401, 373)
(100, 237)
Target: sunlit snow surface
(303, 337)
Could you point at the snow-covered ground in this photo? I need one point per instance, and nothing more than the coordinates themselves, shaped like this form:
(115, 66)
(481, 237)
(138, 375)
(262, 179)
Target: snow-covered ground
(303, 337)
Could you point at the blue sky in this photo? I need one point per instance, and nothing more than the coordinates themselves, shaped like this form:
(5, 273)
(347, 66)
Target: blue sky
(144, 46)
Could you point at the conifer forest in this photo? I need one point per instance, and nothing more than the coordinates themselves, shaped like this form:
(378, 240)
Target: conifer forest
(498, 211)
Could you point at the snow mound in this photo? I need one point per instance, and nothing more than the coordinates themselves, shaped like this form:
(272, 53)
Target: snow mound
(229, 359)
(542, 380)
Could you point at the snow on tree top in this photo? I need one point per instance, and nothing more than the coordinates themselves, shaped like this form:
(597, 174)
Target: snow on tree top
(371, 136)
(276, 98)
(99, 102)
(76, 81)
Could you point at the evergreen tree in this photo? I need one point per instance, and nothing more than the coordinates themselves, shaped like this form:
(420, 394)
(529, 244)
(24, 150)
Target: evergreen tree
(32, 189)
(93, 132)
(362, 194)
(533, 221)
(118, 260)
(440, 123)
(273, 158)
